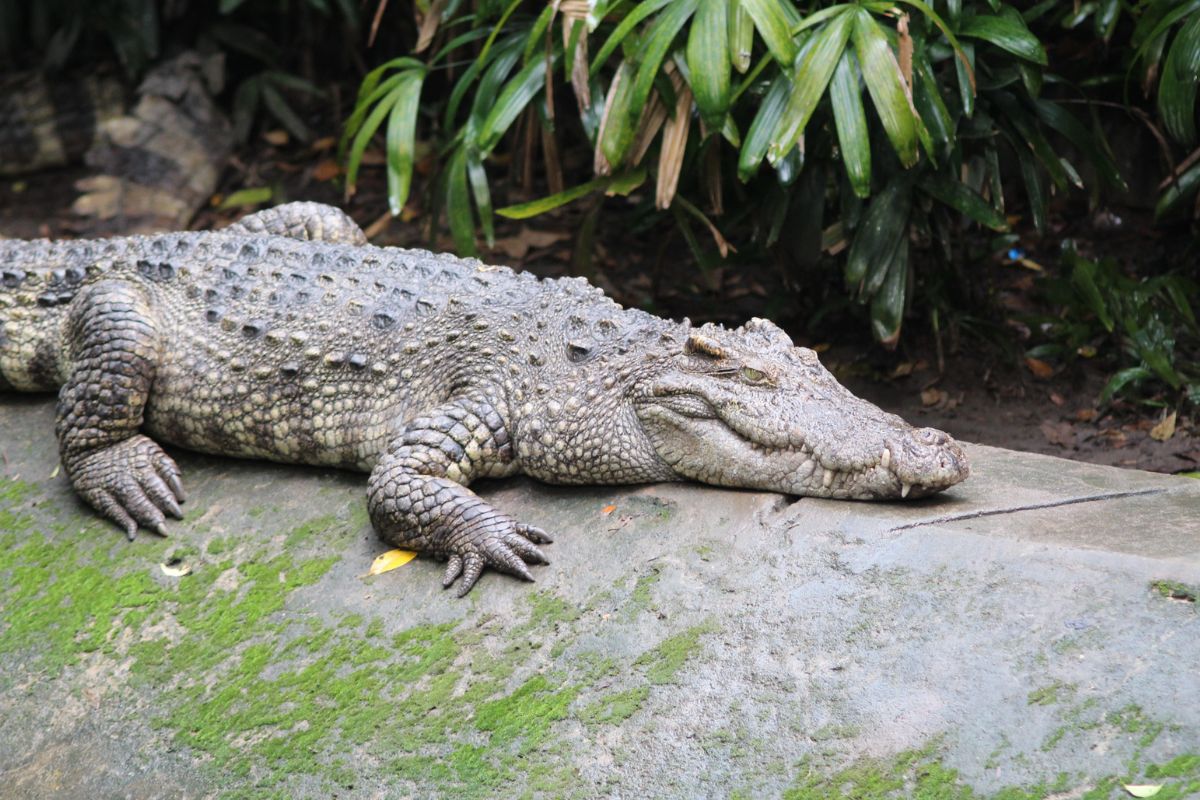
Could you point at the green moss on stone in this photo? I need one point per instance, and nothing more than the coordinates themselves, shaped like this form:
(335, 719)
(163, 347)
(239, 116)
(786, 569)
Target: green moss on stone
(663, 663)
(1050, 694)
(615, 708)
(1174, 590)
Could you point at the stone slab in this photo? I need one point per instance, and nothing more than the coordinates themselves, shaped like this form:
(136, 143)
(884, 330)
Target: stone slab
(1015, 635)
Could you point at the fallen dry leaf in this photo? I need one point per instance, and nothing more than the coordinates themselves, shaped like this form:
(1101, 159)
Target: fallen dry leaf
(608, 510)
(902, 370)
(1039, 368)
(1142, 790)
(1086, 414)
(324, 143)
(327, 170)
(1059, 433)
(277, 137)
(386, 562)
(1057, 399)
(933, 396)
(1165, 429)
(528, 239)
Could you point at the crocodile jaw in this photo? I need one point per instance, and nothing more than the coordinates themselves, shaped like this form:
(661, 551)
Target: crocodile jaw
(909, 462)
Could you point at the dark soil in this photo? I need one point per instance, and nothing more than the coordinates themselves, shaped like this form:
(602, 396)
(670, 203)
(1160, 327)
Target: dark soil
(983, 392)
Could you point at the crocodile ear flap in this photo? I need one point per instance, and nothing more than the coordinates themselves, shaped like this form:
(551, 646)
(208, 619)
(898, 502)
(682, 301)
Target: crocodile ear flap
(703, 345)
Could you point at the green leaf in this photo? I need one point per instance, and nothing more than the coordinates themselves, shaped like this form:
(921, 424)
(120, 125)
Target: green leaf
(758, 137)
(535, 42)
(741, 36)
(1177, 87)
(283, 112)
(657, 42)
(1029, 137)
(401, 140)
(458, 204)
(1063, 121)
(1008, 32)
(929, 103)
(643, 10)
(363, 137)
(887, 306)
(812, 75)
(963, 199)
(708, 61)
(1156, 356)
(773, 19)
(617, 132)
(881, 72)
(483, 196)
(618, 184)
(363, 106)
(247, 197)
(932, 16)
(885, 225)
(490, 84)
(626, 182)
(964, 71)
(845, 94)
(1179, 194)
(511, 102)
(1083, 275)
(1033, 187)
(1122, 379)
(1148, 43)
(506, 52)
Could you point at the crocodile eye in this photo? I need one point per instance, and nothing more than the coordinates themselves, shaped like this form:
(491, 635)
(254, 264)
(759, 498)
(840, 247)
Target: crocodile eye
(752, 375)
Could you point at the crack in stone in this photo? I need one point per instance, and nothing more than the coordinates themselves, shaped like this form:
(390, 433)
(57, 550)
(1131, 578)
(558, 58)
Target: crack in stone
(1091, 498)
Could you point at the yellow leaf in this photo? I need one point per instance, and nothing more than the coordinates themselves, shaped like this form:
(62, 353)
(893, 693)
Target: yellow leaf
(1142, 790)
(1164, 430)
(390, 560)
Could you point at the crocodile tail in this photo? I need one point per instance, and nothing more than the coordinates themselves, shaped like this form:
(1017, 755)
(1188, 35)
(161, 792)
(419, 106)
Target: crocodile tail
(33, 310)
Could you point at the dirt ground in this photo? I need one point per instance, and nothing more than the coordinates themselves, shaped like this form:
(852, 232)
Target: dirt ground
(981, 394)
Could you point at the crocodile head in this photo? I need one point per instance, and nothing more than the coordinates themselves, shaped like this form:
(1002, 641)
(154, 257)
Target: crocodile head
(747, 408)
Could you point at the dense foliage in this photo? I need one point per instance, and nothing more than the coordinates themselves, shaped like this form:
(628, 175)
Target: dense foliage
(897, 142)
(882, 128)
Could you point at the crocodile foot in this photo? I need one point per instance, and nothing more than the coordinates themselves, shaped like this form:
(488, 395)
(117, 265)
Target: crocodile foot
(132, 483)
(504, 545)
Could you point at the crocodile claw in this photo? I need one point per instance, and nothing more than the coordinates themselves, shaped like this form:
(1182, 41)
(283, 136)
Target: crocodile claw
(133, 483)
(509, 552)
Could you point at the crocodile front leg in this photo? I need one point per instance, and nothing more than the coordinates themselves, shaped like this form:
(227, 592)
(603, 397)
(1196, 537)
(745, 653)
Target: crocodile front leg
(113, 344)
(418, 499)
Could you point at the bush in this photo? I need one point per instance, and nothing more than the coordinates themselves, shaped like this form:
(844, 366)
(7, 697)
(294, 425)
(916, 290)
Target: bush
(882, 122)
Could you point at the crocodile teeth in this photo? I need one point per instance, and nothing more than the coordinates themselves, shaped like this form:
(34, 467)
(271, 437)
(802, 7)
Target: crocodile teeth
(827, 481)
(905, 488)
(885, 460)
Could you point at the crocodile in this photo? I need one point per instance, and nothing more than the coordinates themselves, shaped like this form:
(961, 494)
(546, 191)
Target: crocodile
(287, 337)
